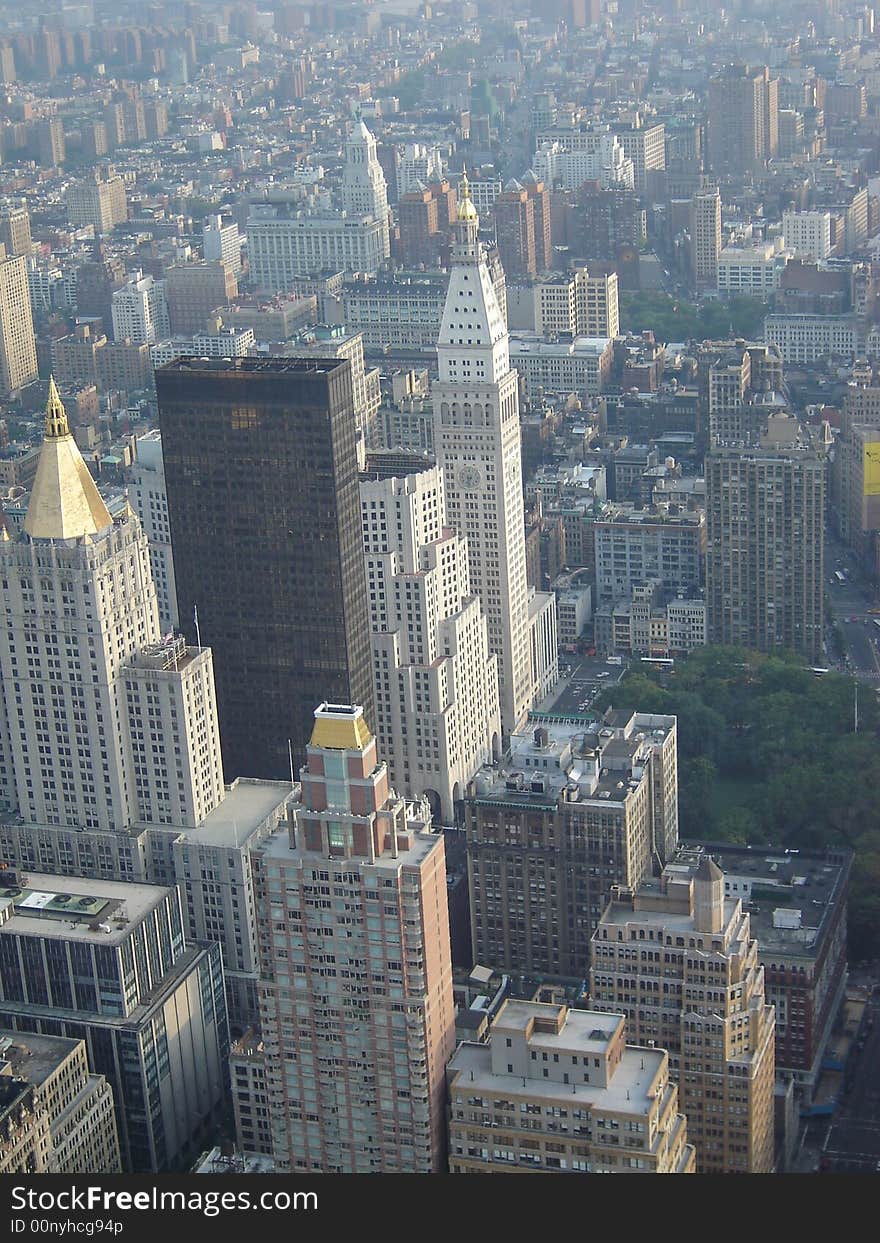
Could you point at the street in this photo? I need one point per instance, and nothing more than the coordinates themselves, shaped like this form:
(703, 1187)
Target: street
(853, 1141)
(850, 603)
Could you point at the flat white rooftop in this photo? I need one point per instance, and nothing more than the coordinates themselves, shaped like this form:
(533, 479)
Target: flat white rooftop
(627, 1093)
(70, 908)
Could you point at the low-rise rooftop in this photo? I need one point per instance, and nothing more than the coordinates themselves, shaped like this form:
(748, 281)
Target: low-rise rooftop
(74, 908)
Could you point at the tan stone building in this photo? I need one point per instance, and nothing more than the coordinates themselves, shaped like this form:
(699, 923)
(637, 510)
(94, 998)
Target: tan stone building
(678, 959)
(705, 225)
(15, 230)
(77, 1107)
(559, 1091)
(583, 303)
(98, 200)
(765, 515)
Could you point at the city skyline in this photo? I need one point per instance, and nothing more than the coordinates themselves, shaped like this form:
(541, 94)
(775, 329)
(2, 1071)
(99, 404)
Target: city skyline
(440, 565)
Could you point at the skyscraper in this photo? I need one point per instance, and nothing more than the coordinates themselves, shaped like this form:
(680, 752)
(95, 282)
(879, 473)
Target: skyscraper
(364, 192)
(743, 120)
(477, 440)
(75, 745)
(261, 477)
(140, 311)
(515, 231)
(705, 225)
(109, 750)
(356, 1051)
(15, 229)
(146, 490)
(694, 986)
(765, 539)
(437, 711)
(18, 351)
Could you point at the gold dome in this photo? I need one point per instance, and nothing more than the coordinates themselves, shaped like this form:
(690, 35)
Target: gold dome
(466, 209)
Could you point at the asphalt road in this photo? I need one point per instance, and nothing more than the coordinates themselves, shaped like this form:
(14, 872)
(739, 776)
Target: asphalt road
(585, 677)
(850, 604)
(853, 1141)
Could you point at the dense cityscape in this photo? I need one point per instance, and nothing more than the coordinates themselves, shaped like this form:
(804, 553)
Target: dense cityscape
(440, 562)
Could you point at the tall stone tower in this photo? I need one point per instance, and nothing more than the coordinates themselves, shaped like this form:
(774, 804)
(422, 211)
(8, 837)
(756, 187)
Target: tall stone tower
(477, 441)
(364, 192)
(91, 735)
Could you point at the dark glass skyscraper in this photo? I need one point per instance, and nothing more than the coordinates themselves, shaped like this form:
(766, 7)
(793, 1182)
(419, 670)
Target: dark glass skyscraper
(262, 479)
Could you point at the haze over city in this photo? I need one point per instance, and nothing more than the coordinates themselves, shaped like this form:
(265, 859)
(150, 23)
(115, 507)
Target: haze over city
(440, 561)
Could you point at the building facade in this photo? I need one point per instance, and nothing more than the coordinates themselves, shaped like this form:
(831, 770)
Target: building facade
(18, 351)
(140, 311)
(572, 810)
(477, 440)
(285, 243)
(635, 546)
(77, 1104)
(436, 685)
(765, 545)
(109, 963)
(556, 1090)
(98, 200)
(356, 1000)
(679, 960)
(281, 532)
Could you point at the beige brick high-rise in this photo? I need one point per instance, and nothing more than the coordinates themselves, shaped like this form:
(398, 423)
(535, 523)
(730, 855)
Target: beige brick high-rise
(558, 1091)
(678, 959)
(18, 351)
(743, 120)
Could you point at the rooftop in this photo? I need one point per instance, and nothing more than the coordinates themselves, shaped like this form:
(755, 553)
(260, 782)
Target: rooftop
(34, 1057)
(767, 881)
(248, 804)
(73, 908)
(630, 1091)
(264, 366)
(278, 847)
(340, 727)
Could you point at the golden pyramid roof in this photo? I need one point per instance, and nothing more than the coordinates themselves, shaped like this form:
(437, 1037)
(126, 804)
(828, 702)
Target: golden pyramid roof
(64, 502)
(340, 727)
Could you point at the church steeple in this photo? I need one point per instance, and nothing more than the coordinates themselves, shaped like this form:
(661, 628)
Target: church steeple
(64, 503)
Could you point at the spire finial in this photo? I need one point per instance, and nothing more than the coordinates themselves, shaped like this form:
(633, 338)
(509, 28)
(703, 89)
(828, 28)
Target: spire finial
(466, 208)
(56, 416)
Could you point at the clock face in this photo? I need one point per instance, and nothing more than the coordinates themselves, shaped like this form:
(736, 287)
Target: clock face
(469, 478)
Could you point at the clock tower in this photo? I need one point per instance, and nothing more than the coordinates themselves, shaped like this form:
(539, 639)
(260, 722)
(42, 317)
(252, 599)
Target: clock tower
(477, 441)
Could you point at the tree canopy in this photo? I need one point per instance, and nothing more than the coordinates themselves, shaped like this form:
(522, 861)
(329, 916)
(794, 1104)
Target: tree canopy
(675, 319)
(768, 753)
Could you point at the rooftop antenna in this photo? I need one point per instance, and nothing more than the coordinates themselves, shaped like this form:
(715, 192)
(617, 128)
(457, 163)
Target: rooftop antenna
(856, 708)
(198, 632)
(290, 758)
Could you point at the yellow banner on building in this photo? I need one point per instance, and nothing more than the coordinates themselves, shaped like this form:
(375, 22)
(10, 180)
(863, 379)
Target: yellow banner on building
(872, 469)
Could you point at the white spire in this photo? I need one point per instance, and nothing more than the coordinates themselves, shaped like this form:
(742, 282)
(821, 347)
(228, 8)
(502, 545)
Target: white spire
(363, 183)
